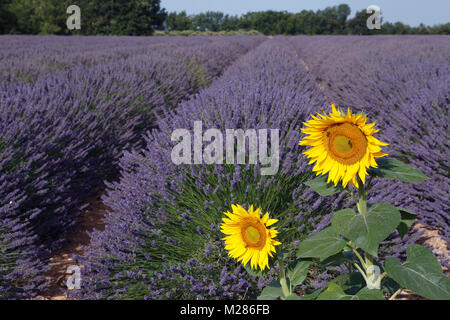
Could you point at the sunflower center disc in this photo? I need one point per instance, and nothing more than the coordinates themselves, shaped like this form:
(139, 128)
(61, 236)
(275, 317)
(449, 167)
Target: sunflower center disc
(346, 143)
(343, 144)
(252, 234)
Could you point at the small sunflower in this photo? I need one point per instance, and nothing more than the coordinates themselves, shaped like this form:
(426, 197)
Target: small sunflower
(343, 146)
(248, 238)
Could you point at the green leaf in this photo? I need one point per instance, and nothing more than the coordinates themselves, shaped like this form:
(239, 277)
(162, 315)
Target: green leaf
(370, 294)
(319, 185)
(334, 260)
(321, 245)
(335, 292)
(367, 231)
(313, 295)
(272, 292)
(389, 285)
(297, 271)
(421, 273)
(293, 297)
(395, 169)
(354, 283)
(407, 220)
(348, 283)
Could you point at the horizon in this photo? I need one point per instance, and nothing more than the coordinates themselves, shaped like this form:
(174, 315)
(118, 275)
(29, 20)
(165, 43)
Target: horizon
(412, 12)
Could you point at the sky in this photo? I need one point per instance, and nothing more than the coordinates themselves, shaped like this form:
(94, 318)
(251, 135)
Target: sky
(412, 12)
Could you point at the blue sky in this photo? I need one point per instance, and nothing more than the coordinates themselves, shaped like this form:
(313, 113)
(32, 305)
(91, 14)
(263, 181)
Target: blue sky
(412, 12)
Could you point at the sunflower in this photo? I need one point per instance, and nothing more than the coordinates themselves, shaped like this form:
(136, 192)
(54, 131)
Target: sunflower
(248, 238)
(343, 146)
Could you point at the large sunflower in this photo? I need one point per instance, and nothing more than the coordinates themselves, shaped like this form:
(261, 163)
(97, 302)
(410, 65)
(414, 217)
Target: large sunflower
(343, 146)
(248, 238)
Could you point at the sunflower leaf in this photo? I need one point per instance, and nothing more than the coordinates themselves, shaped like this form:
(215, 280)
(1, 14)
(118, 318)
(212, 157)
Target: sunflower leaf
(421, 273)
(321, 245)
(395, 169)
(293, 296)
(367, 231)
(370, 294)
(320, 185)
(297, 271)
(272, 292)
(313, 295)
(407, 219)
(335, 292)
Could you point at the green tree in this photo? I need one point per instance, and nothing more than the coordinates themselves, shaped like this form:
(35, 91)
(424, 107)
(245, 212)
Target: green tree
(400, 28)
(267, 22)
(27, 18)
(441, 29)
(343, 11)
(8, 19)
(142, 17)
(230, 23)
(208, 21)
(329, 22)
(37, 16)
(178, 21)
(136, 17)
(358, 24)
(120, 17)
(309, 23)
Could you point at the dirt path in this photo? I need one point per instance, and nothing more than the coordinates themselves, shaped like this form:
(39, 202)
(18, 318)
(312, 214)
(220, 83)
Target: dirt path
(89, 219)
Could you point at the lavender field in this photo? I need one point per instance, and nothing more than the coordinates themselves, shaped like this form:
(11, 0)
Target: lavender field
(83, 116)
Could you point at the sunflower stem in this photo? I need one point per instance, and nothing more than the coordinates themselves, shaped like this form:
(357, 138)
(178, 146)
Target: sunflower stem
(361, 271)
(362, 206)
(395, 294)
(360, 258)
(283, 282)
(362, 198)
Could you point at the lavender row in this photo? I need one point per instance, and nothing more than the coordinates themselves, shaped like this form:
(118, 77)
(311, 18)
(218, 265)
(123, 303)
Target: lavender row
(25, 58)
(403, 84)
(63, 134)
(162, 239)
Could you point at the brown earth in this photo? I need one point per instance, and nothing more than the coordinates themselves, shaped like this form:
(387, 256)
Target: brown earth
(89, 219)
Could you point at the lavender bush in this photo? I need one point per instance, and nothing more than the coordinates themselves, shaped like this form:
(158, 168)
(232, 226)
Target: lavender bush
(72, 114)
(161, 239)
(63, 133)
(26, 58)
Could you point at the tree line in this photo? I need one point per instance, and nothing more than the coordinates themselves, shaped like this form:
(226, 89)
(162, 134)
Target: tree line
(331, 20)
(142, 17)
(105, 17)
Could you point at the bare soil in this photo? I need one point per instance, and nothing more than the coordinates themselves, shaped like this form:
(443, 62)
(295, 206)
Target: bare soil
(88, 219)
